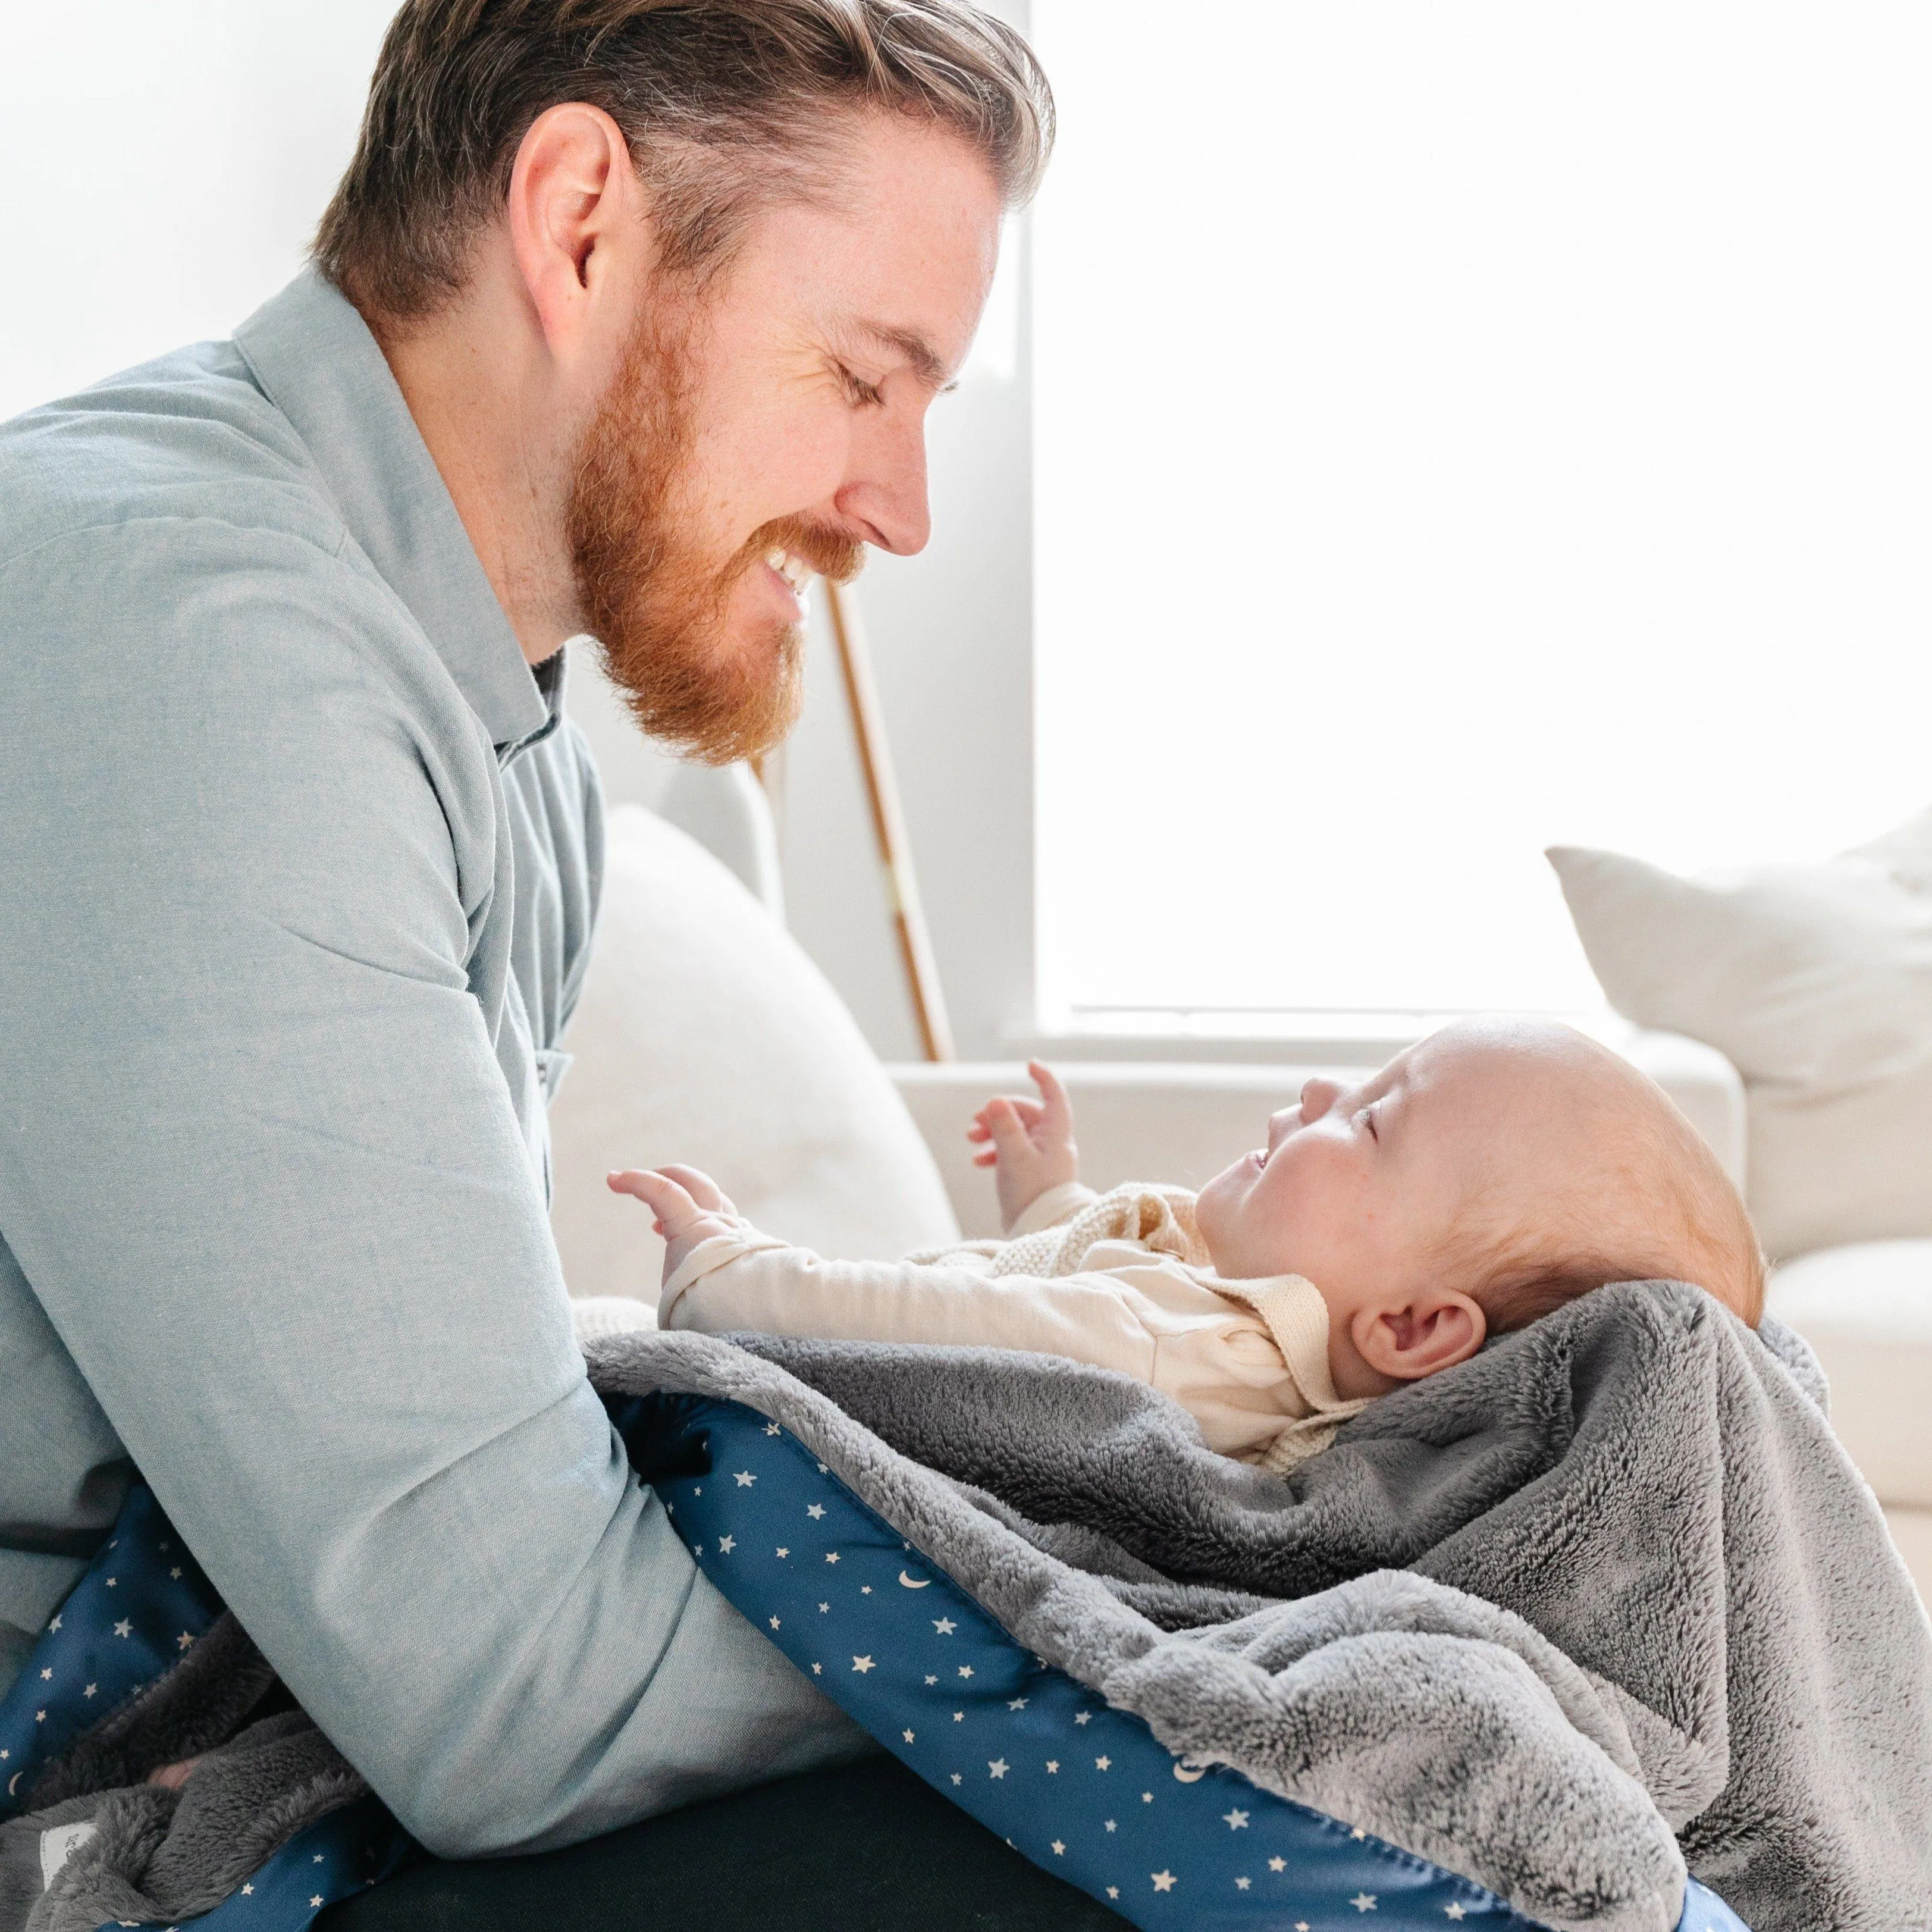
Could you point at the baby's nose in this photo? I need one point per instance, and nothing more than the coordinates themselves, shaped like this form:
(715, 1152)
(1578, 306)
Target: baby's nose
(1318, 1096)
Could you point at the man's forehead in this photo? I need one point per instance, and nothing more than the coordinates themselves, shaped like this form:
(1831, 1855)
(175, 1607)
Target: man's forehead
(898, 261)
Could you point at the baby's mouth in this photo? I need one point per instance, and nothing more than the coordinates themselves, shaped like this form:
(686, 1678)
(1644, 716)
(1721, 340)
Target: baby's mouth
(1260, 1159)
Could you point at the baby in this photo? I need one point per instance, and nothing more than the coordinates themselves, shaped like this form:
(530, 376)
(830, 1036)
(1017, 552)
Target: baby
(1489, 1174)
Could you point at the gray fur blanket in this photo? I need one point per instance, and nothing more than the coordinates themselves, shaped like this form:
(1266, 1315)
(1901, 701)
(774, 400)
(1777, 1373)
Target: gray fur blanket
(133, 1853)
(1604, 1602)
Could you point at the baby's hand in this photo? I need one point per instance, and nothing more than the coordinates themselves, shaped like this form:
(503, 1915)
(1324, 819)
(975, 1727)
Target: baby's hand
(688, 1205)
(1029, 1143)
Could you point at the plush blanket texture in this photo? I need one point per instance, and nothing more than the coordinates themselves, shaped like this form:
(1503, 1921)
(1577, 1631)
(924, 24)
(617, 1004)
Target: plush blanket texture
(132, 1853)
(1606, 1601)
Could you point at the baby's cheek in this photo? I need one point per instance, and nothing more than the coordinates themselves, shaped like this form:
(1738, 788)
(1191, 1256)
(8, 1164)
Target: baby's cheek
(1303, 1193)
(1323, 1221)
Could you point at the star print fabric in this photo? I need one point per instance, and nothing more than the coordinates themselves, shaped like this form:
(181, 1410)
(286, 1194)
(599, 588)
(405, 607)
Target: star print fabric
(141, 1605)
(118, 1644)
(1085, 1791)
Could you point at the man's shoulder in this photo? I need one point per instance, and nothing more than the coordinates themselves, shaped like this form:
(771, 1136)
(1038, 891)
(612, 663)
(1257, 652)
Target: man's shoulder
(189, 436)
(169, 526)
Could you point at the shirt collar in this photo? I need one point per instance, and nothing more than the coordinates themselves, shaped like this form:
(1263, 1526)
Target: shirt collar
(317, 362)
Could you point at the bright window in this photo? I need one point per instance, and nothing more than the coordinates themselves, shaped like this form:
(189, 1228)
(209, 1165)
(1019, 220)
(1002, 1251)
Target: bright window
(1464, 426)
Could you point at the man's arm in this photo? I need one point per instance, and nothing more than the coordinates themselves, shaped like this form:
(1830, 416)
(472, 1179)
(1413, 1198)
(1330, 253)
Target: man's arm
(261, 1169)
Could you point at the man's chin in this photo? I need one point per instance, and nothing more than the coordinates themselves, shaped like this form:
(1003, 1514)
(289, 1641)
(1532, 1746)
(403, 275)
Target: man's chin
(738, 698)
(773, 695)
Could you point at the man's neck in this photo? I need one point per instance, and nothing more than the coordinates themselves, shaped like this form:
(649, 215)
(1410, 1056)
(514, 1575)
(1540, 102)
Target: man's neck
(469, 376)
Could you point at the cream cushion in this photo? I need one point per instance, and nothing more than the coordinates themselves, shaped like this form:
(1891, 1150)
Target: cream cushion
(705, 1035)
(1816, 981)
(1867, 1310)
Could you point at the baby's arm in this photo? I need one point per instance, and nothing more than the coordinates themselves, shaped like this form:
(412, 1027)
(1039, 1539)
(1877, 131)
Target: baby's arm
(1028, 1143)
(721, 1274)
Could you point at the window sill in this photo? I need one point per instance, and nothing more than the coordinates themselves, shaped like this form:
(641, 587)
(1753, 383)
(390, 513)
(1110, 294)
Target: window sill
(1342, 1039)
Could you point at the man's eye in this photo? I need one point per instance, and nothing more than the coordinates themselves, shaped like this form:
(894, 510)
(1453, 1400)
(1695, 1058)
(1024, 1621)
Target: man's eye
(865, 395)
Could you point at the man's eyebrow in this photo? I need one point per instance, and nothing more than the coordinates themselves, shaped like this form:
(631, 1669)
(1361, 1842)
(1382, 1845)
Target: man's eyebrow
(928, 364)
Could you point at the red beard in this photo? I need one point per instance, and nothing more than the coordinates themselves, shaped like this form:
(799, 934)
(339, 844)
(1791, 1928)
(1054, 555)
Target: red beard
(656, 603)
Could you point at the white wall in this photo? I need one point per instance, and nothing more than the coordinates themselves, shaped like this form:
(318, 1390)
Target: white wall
(166, 162)
(1528, 446)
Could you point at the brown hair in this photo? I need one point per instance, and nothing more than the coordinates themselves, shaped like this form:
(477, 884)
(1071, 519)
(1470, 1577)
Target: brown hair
(724, 104)
(1653, 1203)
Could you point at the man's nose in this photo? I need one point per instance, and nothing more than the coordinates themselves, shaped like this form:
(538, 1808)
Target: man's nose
(886, 491)
(1318, 1096)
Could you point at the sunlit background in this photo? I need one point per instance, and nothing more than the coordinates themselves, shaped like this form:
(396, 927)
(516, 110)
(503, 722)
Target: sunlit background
(1458, 426)
(1461, 428)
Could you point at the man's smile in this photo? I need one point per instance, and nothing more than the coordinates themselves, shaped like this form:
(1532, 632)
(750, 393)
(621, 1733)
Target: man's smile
(793, 572)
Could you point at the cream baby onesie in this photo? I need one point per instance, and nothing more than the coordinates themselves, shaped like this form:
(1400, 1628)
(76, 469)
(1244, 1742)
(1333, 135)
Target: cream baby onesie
(1120, 1280)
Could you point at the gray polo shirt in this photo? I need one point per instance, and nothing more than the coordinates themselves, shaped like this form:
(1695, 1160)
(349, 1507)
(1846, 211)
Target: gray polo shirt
(298, 865)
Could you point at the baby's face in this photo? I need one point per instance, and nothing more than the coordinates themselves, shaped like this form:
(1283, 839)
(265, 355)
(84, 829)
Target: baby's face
(1357, 1185)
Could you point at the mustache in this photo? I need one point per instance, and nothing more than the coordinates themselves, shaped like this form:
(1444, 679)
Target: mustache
(836, 557)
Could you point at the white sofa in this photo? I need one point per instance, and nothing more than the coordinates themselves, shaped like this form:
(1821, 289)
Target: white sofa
(705, 1035)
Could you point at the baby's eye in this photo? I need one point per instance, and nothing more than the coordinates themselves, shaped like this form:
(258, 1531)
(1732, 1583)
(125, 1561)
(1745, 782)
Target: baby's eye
(1366, 1118)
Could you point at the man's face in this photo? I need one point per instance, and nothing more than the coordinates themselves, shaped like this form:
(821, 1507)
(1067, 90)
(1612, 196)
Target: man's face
(773, 426)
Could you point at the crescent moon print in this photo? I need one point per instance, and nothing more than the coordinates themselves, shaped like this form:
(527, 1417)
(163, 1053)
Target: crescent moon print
(1187, 1774)
(910, 1584)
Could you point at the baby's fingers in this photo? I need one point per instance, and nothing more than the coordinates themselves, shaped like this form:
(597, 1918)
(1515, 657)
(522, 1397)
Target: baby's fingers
(1006, 1125)
(700, 1187)
(673, 1206)
(1056, 1112)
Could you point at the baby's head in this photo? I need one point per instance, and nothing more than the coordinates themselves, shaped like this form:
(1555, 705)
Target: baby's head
(1491, 1173)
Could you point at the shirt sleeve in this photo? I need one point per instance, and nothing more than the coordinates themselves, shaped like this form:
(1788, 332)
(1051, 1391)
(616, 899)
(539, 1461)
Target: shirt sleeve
(1056, 1205)
(747, 1281)
(1247, 1359)
(260, 1166)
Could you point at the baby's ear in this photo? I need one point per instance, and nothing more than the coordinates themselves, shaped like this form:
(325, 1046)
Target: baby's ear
(1406, 1337)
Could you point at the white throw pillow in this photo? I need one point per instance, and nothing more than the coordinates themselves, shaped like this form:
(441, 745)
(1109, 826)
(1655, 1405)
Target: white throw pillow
(705, 1035)
(1817, 982)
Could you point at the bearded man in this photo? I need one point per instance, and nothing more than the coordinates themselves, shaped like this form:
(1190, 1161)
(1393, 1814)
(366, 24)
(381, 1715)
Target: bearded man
(625, 318)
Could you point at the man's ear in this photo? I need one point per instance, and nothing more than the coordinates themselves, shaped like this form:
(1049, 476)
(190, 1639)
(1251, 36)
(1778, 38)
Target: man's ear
(575, 212)
(1406, 1337)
